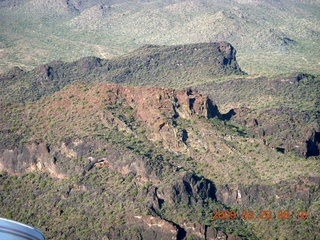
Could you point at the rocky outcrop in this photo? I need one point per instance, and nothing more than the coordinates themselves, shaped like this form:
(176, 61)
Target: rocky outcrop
(302, 188)
(283, 111)
(151, 227)
(12, 73)
(169, 102)
(274, 130)
(313, 144)
(168, 105)
(30, 158)
(59, 161)
(179, 187)
(196, 231)
(188, 188)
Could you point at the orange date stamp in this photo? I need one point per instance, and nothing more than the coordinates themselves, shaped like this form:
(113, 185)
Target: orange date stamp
(262, 214)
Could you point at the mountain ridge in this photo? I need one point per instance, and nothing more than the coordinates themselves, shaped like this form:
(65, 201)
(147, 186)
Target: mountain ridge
(148, 65)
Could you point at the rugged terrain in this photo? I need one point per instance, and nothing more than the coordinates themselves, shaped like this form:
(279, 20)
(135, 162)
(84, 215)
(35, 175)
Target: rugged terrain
(271, 37)
(83, 157)
(283, 111)
(97, 161)
(174, 66)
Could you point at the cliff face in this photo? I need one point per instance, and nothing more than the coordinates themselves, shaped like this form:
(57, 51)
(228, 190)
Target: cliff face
(31, 157)
(167, 106)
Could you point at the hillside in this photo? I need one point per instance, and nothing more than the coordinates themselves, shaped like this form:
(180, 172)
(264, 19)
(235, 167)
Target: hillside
(114, 161)
(161, 119)
(283, 111)
(174, 66)
(271, 37)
